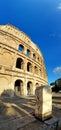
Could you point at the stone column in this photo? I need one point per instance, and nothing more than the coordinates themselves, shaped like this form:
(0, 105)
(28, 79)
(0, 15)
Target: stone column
(31, 55)
(43, 108)
(14, 60)
(25, 87)
(34, 87)
(25, 65)
(24, 51)
(33, 68)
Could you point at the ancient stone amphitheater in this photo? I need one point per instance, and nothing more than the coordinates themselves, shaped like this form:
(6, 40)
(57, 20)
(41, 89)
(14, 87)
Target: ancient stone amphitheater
(22, 66)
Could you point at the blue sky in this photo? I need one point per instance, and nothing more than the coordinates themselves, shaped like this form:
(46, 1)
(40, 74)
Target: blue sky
(41, 20)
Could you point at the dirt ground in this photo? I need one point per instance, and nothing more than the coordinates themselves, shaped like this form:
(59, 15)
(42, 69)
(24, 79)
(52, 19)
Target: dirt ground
(18, 113)
(56, 114)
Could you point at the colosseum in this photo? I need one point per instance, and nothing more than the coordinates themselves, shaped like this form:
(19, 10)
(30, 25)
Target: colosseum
(22, 66)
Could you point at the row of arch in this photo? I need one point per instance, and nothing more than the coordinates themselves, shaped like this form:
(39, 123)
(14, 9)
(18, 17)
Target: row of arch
(20, 65)
(19, 87)
(28, 53)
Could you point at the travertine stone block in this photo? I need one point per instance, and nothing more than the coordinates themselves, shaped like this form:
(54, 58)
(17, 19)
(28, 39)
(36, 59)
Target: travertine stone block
(43, 108)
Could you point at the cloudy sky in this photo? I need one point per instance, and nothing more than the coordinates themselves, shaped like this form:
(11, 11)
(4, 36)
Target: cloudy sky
(41, 20)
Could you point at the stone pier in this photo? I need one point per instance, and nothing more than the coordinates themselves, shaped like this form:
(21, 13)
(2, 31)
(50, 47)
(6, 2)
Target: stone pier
(43, 108)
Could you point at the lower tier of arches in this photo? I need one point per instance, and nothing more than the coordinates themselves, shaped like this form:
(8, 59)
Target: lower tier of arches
(20, 86)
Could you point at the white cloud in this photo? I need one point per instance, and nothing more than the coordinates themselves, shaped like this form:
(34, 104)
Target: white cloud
(59, 6)
(57, 70)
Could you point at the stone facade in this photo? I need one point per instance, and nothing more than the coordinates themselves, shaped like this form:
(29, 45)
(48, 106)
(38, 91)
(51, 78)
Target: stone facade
(22, 67)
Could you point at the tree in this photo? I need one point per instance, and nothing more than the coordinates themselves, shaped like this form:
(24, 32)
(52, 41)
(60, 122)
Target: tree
(52, 83)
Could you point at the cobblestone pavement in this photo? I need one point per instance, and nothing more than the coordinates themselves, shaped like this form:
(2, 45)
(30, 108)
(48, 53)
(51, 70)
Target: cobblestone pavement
(17, 113)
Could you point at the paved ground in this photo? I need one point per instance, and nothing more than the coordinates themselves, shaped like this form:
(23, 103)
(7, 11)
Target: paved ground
(18, 113)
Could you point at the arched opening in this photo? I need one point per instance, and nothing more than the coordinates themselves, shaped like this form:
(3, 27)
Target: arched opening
(19, 63)
(29, 88)
(18, 87)
(41, 61)
(28, 52)
(36, 70)
(21, 48)
(37, 85)
(38, 59)
(40, 72)
(34, 56)
(29, 67)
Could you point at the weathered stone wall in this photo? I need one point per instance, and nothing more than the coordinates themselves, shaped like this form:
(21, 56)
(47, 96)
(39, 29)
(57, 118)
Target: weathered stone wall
(43, 107)
(22, 66)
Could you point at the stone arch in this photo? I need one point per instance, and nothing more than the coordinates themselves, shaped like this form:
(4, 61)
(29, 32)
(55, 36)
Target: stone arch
(38, 59)
(28, 53)
(18, 87)
(29, 88)
(40, 71)
(34, 56)
(29, 67)
(37, 85)
(19, 63)
(21, 48)
(35, 70)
